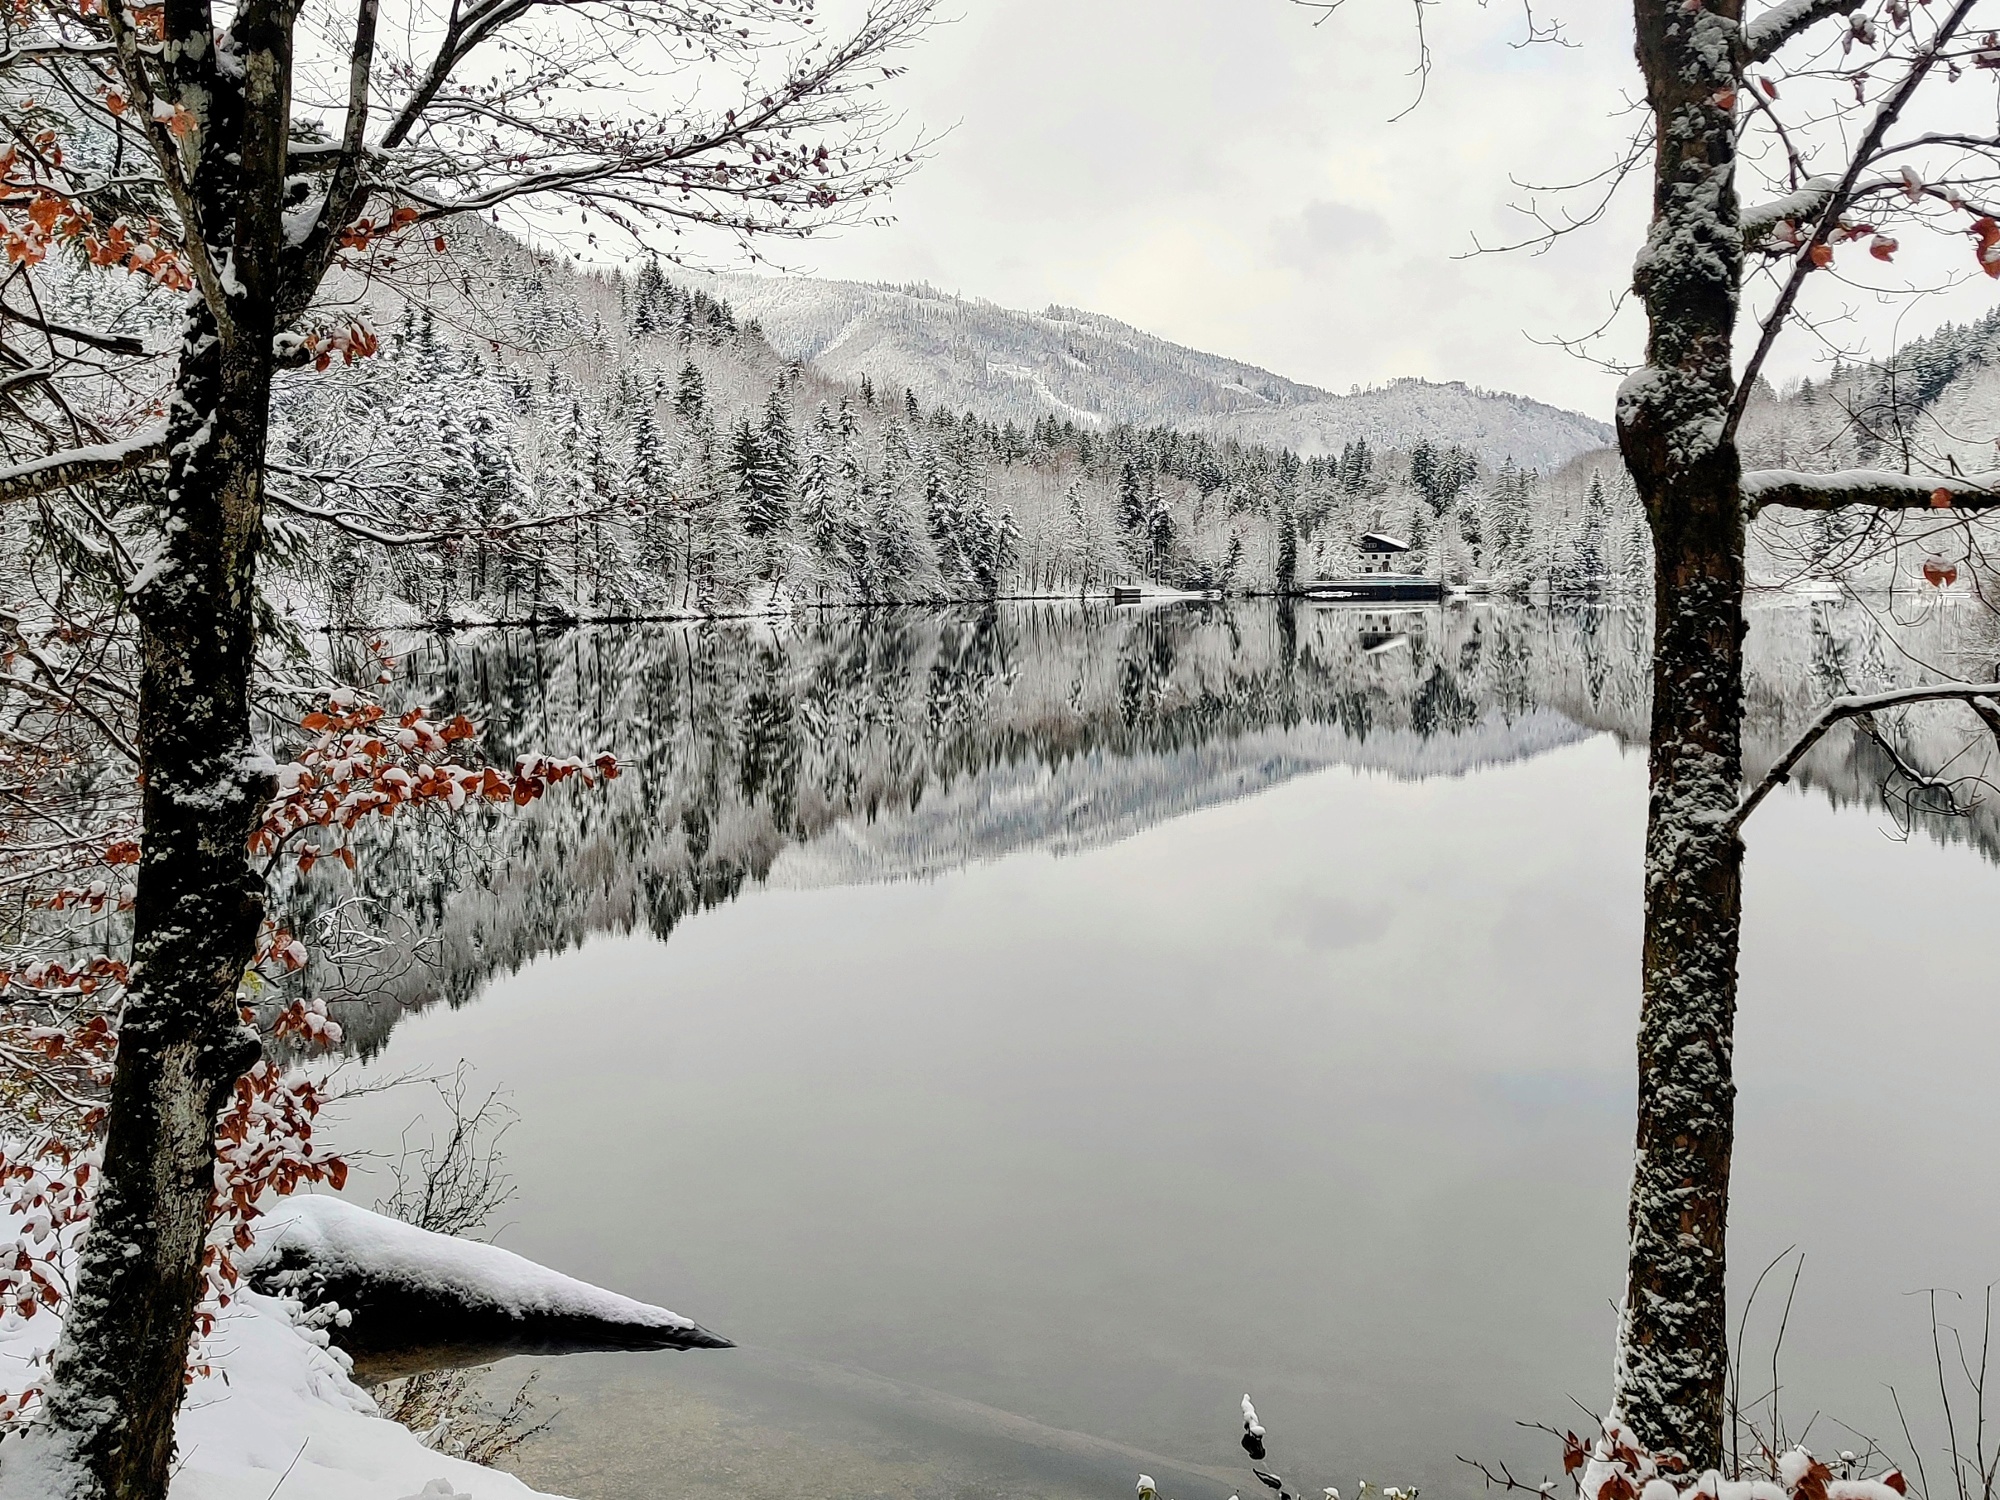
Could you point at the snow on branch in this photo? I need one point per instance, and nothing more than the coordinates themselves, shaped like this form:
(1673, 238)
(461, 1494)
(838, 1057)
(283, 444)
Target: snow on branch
(1774, 27)
(111, 343)
(54, 471)
(1766, 222)
(1984, 698)
(1883, 489)
(364, 527)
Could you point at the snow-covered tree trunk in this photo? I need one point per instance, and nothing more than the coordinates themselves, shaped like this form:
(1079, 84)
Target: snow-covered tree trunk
(122, 1359)
(120, 1365)
(1673, 428)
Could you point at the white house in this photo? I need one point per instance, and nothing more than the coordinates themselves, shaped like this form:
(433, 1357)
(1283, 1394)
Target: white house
(1382, 554)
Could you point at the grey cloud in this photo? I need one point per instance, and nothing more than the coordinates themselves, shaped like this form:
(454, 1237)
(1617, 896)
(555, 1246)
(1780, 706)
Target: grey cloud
(1322, 231)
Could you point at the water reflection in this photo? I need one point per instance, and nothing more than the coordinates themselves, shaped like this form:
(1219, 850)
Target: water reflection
(1053, 1083)
(871, 745)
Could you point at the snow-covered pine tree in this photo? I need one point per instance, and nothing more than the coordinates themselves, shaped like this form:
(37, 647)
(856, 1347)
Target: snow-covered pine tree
(901, 560)
(825, 530)
(764, 464)
(1591, 539)
(1287, 580)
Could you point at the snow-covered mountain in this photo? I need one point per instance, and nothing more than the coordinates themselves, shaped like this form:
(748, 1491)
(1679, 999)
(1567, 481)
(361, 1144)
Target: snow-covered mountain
(1493, 424)
(1080, 366)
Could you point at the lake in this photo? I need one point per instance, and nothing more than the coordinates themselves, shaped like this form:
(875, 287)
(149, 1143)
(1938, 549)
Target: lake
(1025, 1031)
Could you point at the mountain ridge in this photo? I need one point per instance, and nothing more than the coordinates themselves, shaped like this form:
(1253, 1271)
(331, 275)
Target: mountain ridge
(1095, 370)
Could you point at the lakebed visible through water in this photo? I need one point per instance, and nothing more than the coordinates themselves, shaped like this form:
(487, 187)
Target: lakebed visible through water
(1026, 1031)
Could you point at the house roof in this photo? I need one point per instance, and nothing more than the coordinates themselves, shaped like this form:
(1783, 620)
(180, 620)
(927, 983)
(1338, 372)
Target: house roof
(1375, 541)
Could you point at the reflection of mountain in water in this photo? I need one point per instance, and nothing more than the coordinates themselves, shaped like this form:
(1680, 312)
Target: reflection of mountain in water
(1102, 797)
(891, 744)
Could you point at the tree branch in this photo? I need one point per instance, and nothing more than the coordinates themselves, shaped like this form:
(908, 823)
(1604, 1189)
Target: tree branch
(345, 191)
(1780, 23)
(1879, 488)
(1886, 114)
(360, 526)
(184, 20)
(58, 695)
(55, 471)
(1984, 698)
(110, 343)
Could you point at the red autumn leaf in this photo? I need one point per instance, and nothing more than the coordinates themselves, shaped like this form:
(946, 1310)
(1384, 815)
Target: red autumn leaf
(1822, 255)
(1940, 499)
(1987, 233)
(1895, 1481)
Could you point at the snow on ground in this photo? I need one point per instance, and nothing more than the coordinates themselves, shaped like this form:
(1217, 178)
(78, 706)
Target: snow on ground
(288, 1403)
(280, 1419)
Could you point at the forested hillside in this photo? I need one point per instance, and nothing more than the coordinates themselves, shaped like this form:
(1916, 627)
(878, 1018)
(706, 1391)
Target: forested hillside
(1083, 367)
(595, 445)
(1933, 407)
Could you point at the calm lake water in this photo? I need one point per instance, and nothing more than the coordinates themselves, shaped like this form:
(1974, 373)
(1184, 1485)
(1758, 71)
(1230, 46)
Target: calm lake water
(1024, 1033)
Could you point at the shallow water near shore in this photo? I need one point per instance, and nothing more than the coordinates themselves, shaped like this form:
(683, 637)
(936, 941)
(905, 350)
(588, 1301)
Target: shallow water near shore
(1239, 1005)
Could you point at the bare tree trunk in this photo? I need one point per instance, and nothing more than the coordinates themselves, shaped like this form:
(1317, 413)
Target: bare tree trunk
(1672, 420)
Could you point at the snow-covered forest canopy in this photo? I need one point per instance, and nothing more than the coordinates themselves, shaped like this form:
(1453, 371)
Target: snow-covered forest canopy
(601, 444)
(691, 468)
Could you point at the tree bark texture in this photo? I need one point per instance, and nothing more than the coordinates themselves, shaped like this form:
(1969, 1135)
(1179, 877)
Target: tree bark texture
(121, 1364)
(1673, 430)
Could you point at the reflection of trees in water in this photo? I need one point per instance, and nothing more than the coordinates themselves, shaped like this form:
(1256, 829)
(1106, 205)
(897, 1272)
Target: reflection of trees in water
(740, 741)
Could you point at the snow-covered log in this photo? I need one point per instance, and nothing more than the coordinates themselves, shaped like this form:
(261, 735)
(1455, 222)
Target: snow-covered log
(408, 1299)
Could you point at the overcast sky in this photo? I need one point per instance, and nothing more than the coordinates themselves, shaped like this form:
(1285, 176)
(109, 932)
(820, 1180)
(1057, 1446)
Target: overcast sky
(1223, 173)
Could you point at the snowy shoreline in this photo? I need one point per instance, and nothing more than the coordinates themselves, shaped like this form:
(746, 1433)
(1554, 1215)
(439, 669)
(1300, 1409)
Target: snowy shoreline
(282, 1409)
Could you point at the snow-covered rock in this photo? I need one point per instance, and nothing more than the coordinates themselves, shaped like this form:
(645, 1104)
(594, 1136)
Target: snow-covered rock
(411, 1300)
